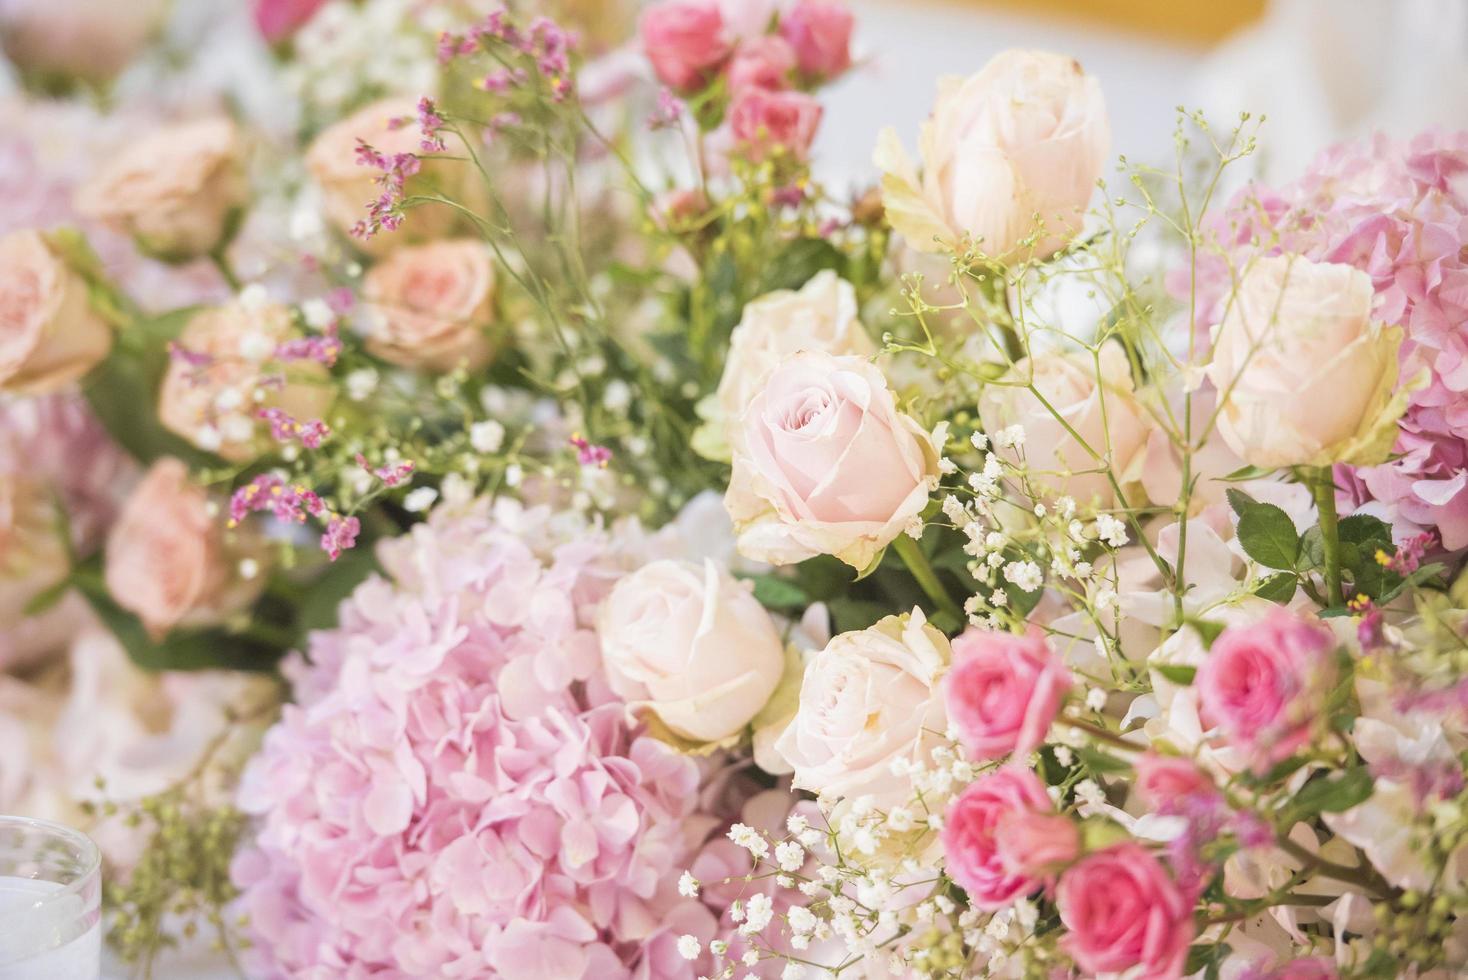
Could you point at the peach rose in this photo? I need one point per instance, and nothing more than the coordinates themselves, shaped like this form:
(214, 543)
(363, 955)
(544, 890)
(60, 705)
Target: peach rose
(49, 333)
(869, 698)
(1094, 400)
(226, 373)
(176, 191)
(92, 40)
(826, 464)
(167, 559)
(434, 305)
(693, 645)
(763, 120)
(348, 186)
(1026, 136)
(1304, 375)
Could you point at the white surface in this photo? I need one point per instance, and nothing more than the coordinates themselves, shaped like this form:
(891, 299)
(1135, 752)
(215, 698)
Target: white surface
(40, 942)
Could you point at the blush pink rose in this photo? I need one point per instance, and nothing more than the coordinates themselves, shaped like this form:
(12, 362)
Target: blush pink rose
(1264, 685)
(1036, 843)
(824, 463)
(762, 63)
(762, 120)
(1123, 910)
(686, 41)
(433, 305)
(49, 333)
(1167, 777)
(92, 40)
(820, 33)
(1003, 692)
(970, 835)
(167, 559)
(277, 20)
(176, 191)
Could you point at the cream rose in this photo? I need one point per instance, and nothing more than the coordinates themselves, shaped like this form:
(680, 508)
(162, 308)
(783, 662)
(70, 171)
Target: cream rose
(693, 645)
(176, 191)
(49, 333)
(1093, 399)
(167, 559)
(1304, 375)
(433, 305)
(871, 697)
(826, 464)
(87, 39)
(226, 372)
(1017, 146)
(348, 186)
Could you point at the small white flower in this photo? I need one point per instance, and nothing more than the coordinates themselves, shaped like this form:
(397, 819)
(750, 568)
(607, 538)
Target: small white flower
(208, 438)
(718, 947)
(789, 855)
(802, 919)
(688, 885)
(899, 819)
(750, 839)
(249, 568)
(947, 466)
(757, 914)
(1013, 435)
(1063, 755)
(750, 958)
(980, 441)
(689, 947)
(361, 383)
(792, 971)
(254, 298)
(317, 314)
(514, 473)
(1111, 530)
(796, 824)
(420, 500)
(487, 436)
(1025, 574)
(1096, 698)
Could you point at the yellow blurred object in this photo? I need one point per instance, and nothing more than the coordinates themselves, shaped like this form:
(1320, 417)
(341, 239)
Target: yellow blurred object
(1201, 21)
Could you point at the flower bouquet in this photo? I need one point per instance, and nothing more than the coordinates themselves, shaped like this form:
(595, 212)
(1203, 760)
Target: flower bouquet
(475, 503)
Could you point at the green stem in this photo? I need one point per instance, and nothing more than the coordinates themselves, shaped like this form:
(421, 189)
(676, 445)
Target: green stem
(922, 570)
(221, 262)
(1322, 485)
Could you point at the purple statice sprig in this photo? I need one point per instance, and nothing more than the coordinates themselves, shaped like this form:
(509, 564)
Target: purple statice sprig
(588, 454)
(285, 428)
(293, 504)
(386, 213)
(323, 348)
(391, 474)
(431, 126)
(543, 44)
(668, 113)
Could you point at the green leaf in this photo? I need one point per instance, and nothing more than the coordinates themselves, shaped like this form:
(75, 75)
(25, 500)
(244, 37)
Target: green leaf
(1278, 588)
(1099, 762)
(1326, 795)
(1246, 473)
(1267, 535)
(1207, 630)
(875, 564)
(797, 262)
(1365, 529)
(1239, 501)
(1180, 674)
(46, 598)
(1312, 548)
(775, 592)
(318, 608)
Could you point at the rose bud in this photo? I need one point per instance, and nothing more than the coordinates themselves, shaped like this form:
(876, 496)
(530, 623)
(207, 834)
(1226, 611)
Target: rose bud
(1004, 691)
(820, 33)
(49, 333)
(763, 121)
(685, 40)
(971, 841)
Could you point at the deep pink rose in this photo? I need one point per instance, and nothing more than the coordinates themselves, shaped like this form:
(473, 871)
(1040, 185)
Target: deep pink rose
(279, 19)
(763, 62)
(1167, 777)
(1035, 843)
(820, 33)
(762, 120)
(970, 845)
(1264, 685)
(685, 40)
(1003, 691)
(1121, 910)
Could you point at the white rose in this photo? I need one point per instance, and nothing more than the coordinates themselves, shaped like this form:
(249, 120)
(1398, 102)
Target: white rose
(1304, 375)
(693, 645)
(1024, 139)
(826, 464)
(869, 698)
(1091, 399)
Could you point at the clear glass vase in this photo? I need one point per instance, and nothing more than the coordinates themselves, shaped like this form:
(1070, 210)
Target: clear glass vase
(50, 902)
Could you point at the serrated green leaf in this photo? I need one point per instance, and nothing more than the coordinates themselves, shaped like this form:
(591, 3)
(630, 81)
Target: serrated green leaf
(1363, 529)
(1239, 500)
(1312, 549)
(1278, 588)
(1267, 535)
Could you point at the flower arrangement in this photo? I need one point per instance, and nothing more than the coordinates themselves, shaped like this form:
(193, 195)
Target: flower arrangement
(556, 535)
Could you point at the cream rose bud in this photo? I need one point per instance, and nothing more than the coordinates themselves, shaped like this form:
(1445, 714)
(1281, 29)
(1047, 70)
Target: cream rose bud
(1018, 145)
(820, 316)
(826, 464)
(86, 39)
(1304, 375)
(1100, 423)
(177, 191)
(693, 645)
(167, 559)
(49, 333)
(348, 186)
(225, 372)
(868, 700)
(432, 305)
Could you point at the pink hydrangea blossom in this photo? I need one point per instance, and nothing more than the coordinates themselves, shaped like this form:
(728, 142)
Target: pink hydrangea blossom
(1397, 210)
(455, 791)
(1003, 692)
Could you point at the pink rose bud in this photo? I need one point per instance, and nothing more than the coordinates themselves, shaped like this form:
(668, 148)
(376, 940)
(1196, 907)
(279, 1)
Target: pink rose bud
(1033, 843)
(49, 334)
(686, 41)
(279, 19)
(763, 120)
(820, 33)
(970, 835)
(1003, 691)
(1264, 685)
(763, 62)
(1121, 909)
(1166, 777)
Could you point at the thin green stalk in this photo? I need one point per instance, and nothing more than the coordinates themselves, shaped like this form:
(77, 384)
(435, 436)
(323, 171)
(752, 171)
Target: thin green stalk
(922, 570)
(221, 262)
(1322, 485)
